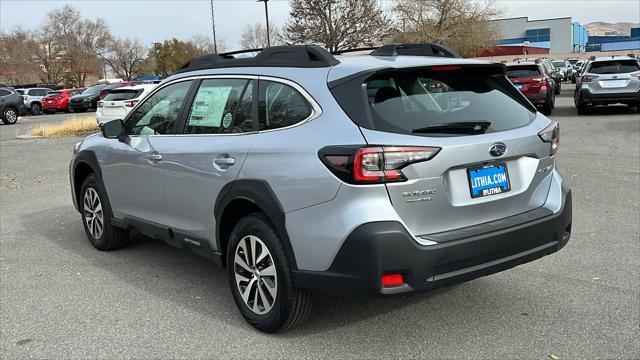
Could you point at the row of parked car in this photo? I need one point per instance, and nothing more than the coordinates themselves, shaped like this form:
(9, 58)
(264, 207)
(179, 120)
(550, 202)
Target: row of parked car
(599, 81)
(110, 100)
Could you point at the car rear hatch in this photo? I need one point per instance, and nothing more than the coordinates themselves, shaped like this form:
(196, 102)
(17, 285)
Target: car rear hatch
(482, 159)
(613, 76)
(52, 99)
(120, 101)
(527, 78)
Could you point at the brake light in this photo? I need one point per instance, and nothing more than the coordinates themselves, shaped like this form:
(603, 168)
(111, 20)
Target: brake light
(551, 134)
(373, 164)
(100, 103)
(131, 103)
(446, 68)
(588, 78)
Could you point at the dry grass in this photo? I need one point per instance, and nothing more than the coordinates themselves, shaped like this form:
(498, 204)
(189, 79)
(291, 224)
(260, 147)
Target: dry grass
(74, 127)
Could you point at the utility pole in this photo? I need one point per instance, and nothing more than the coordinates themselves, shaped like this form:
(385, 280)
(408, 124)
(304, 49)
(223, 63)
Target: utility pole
(213, 28)
(266, 14)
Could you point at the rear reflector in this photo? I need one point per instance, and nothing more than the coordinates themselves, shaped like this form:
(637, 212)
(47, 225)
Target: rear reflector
(390, 280)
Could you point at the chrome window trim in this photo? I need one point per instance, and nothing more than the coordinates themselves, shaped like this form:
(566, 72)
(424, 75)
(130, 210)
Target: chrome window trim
(316, 110)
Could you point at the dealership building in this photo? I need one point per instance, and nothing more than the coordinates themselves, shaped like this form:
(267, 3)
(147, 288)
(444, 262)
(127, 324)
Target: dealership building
(558, 35)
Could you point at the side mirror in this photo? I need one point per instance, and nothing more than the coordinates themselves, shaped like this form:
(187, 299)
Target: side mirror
(112, 129)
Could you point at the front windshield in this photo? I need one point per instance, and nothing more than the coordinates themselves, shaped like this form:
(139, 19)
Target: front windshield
(559, 64)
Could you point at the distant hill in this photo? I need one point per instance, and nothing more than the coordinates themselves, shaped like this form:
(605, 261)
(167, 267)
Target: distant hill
(605, 28)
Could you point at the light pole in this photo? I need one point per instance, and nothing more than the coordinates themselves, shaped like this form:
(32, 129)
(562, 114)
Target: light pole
(213, 28)
(266, 14)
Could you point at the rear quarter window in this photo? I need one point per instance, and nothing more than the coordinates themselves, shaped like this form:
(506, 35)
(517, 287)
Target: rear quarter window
(614, 67)
(416, 99)
(4, 92)
(281, 105)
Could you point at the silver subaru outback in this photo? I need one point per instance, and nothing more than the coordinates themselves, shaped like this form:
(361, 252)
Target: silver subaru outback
(302, 172)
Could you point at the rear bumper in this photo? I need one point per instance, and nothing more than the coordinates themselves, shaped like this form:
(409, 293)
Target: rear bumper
(379, 248)
(536, 99)
(80, 106)
(56, 106)
(609, 98)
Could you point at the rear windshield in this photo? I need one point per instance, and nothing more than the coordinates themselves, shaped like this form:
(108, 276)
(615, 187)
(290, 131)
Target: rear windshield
(523, 71)
(117, 95)
(54, 93)
(405, 101)
(614, 67)
(559, 63)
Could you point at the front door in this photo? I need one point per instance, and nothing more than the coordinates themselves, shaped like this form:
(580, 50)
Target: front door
(133, 171)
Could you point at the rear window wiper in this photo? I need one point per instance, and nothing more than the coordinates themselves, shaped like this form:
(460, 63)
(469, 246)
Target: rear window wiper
(467, 127)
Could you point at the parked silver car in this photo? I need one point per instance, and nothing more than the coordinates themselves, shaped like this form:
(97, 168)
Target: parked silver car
(301, 172)
(608, 80)
(565, 69)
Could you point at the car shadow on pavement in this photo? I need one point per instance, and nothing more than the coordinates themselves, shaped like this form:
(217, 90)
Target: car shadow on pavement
(596, 111)
(194, 282)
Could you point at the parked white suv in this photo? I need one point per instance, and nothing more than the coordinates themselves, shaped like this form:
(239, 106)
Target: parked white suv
(33, 99)
(119, 102)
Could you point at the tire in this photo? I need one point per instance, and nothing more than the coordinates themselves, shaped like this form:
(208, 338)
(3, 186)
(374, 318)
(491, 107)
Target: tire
(50, 112)
(9, 115)
(92, 198)
(584, 110)
(558, 89)
(36, 109)
(546, 109)
(291, 306)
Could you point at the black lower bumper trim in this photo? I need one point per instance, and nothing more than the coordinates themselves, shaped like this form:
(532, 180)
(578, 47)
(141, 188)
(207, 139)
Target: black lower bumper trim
(379, 248)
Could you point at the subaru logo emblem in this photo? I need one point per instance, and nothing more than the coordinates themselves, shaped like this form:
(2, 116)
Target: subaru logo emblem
(498, 149)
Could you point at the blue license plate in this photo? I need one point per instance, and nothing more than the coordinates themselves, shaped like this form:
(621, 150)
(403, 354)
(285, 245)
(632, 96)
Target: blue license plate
(519, 87)
(488, 180)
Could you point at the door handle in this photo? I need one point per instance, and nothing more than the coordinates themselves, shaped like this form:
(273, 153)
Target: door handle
(155, 157)
(228, 161)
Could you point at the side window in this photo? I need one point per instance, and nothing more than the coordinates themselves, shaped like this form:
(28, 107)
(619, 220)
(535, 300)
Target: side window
(221, 106)
(281, 106)
(158, 114)
(4, 92)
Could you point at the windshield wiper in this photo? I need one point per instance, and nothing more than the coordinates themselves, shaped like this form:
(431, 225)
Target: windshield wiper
(467, 127)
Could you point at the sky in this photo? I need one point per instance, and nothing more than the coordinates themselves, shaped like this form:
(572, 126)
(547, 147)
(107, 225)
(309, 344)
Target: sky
(156, 20)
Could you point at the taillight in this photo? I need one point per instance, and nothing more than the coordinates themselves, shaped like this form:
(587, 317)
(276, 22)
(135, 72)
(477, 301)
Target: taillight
(131, 103)
(540, 79)
(636, 74)
(551, 134)
(373, 164)
(100, 103)
(588, 78)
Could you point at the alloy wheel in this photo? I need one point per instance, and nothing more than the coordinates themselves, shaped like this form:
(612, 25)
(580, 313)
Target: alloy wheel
(93, 214)
(11, 116)
(255, 274)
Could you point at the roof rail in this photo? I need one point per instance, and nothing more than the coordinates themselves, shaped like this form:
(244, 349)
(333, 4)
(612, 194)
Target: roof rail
(299, 56)
(422, 49)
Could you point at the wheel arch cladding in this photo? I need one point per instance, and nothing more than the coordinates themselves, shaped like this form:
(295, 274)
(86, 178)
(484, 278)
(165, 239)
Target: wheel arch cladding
(242, 197)
(85, 163)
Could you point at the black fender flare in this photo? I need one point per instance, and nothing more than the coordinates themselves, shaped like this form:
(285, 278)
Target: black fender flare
(89, 158)
(261, 194)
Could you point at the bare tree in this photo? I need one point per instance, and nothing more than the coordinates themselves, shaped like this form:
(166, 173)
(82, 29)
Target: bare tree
(205, 45)
(463, 25)
(254, 36)
(83, 41)
(16, 63)
(126, 57)
(337, 24)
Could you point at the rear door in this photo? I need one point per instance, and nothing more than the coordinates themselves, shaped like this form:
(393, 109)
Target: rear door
(500, 169)
(219, 127)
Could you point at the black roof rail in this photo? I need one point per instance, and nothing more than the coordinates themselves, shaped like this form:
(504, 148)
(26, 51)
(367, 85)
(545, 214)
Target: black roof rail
(299, 56)
(422, 49)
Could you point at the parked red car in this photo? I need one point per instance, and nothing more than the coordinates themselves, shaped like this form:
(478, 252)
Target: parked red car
(105, 91)
(58, 100)
(531, 80)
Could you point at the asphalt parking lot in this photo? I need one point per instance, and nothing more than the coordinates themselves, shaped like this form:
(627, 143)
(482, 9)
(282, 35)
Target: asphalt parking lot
(60, 298)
